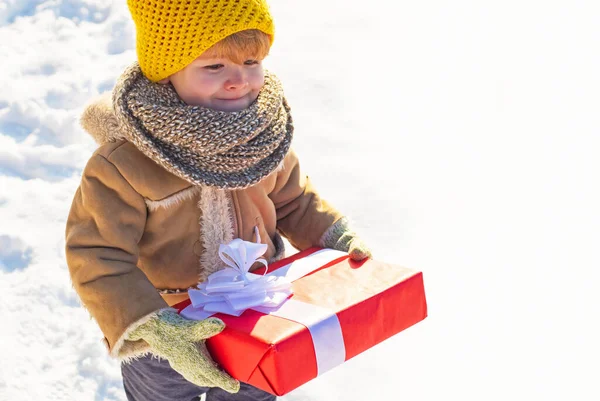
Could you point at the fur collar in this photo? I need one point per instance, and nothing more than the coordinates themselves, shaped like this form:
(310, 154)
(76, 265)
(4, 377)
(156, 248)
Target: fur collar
(99, 120)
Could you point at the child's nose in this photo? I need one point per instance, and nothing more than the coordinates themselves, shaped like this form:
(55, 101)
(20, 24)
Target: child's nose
(236, 80)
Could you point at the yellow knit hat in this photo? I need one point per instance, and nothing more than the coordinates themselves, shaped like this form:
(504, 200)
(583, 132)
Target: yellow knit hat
(170, 34)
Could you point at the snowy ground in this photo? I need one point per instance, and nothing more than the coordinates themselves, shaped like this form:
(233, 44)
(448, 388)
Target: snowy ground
(462, 137)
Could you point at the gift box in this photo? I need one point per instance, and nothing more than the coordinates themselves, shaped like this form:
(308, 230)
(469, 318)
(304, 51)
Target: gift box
(339, 308)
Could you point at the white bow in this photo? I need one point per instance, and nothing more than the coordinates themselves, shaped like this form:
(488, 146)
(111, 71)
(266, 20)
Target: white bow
(234, 289)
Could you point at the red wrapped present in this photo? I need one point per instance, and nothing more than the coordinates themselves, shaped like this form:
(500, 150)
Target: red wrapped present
(339, 308)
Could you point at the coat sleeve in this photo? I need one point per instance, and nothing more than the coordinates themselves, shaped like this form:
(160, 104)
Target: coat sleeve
(104, 226)
(303, 217)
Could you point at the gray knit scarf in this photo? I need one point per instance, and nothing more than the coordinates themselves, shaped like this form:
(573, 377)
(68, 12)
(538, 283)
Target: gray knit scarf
(228, 150)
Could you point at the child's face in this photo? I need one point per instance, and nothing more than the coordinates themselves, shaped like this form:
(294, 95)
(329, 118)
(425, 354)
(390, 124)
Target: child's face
(219, 83)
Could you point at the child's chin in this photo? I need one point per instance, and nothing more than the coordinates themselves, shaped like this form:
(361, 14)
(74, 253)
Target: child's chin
(231, 108)
(232, 105)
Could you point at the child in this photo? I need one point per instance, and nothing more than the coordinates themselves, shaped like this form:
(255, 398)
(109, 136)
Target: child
(195, 151)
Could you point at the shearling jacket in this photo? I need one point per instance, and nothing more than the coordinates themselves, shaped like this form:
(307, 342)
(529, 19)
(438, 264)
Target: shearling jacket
(137, 236)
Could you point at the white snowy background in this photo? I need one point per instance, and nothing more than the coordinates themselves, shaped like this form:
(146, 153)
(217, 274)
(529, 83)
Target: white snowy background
(461, 137)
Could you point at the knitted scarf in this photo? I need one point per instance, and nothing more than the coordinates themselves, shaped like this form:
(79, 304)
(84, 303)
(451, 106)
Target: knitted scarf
(227, 150)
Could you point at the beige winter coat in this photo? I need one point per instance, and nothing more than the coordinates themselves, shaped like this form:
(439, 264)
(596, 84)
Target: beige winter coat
(138, 237)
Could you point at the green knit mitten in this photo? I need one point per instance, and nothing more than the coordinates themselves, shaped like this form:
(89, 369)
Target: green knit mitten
(352, 244)
(181, 342)
(341, 237)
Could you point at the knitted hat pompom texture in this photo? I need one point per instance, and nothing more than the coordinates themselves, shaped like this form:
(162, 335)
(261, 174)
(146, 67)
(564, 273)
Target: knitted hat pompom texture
(170, 34)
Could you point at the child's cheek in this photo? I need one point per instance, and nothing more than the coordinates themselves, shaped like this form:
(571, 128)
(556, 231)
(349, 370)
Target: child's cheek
(257, 79)
(208, 85)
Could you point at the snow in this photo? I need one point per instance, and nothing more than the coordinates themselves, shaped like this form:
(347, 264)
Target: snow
(460, 137)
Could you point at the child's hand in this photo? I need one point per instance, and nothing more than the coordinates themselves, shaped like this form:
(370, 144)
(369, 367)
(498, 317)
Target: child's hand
(358, 250)
(351, 243)
(342, 238)
(181, 342)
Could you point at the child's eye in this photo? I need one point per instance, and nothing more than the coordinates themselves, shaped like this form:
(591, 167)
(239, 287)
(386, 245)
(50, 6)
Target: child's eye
(214, 67)
(251, 62)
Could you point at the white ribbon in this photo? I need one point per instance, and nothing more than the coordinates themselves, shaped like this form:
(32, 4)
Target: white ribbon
(324, 327)
(234, 289)
(322, 323)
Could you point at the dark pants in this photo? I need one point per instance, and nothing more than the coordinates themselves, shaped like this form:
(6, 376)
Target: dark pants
(153, 379)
